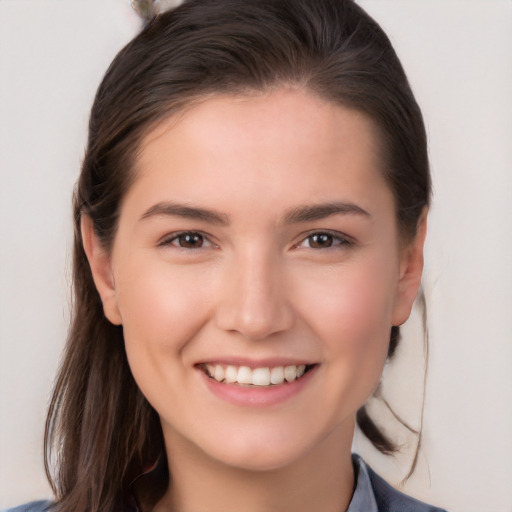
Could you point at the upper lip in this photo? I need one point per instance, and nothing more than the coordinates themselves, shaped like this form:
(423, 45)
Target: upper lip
(259, 363)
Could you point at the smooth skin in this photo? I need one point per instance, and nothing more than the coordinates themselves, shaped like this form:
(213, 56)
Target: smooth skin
(291, 251)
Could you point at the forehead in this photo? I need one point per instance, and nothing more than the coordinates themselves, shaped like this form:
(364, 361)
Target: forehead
(285, 142)
(286, 114)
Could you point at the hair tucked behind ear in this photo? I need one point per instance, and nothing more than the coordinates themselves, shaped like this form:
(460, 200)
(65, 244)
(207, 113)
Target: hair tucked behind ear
(104, 427)
(101, 431)
(365, 422)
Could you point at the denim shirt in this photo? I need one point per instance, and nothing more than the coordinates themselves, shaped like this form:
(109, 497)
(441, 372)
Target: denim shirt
(372, 494)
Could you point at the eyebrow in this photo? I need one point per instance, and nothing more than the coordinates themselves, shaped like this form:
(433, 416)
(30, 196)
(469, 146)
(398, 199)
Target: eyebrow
(167, 208)
(321, 211)
(294, 216)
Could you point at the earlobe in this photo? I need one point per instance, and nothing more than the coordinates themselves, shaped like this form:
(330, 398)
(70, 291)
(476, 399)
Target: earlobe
(100, 263)
(411, 269)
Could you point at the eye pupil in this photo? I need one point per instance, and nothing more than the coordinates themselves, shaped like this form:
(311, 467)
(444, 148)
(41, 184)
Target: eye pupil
(320, 240)
(190, 240)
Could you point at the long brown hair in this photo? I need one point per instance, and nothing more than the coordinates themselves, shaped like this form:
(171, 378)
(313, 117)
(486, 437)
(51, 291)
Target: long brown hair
(100, 430)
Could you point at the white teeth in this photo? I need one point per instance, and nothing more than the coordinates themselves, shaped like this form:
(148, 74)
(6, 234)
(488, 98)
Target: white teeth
(244, 375)
(219, 373)
(231, 374)
(210, 369)
(290, 373)
(263, 376)
(277, 375)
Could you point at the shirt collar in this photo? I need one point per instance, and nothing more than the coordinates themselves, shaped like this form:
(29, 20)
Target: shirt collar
(363, 499)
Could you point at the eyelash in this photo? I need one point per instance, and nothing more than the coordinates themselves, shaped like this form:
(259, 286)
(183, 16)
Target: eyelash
(336, 240)
(168, 241)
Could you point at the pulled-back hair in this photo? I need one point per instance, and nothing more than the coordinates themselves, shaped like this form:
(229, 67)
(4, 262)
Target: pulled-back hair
(101, 432)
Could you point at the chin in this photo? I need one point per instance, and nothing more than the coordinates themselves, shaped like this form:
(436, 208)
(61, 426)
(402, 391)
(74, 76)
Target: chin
(266, 460)
(263, 451)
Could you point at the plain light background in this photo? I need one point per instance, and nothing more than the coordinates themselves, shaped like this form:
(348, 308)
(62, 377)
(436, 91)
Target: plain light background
(458, 56)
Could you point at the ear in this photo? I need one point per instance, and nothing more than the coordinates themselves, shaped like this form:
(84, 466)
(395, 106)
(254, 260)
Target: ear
(100, 263)
(411, 268)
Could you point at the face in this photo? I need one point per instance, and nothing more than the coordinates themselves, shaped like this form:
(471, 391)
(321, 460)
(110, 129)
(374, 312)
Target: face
(257, 271)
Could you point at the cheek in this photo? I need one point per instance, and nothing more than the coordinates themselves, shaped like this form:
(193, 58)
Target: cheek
(161, 309)
(350, 310)
(354, 299)
(156, 302)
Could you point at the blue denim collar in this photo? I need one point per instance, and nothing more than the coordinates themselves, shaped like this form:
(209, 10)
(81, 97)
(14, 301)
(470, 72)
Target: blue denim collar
(363, 499)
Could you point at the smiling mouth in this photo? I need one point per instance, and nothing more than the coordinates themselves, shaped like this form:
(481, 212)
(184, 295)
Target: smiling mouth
(261, 377)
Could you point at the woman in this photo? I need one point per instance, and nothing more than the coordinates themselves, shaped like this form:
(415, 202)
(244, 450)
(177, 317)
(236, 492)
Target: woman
(249, 228)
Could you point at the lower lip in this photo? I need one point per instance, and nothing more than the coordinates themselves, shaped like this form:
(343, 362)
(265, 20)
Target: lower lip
(258, 396)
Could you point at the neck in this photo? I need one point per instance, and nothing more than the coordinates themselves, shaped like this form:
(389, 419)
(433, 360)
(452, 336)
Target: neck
(321, 480)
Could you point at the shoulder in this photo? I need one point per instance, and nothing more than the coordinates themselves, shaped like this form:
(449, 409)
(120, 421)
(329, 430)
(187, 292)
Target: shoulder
(390, 500)
(33, 506)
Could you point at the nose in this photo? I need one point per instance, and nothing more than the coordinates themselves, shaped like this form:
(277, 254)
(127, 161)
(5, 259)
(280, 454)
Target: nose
(255, 299)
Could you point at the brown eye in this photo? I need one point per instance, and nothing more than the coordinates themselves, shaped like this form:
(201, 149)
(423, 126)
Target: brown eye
(320, 240)
(190, 240)
(325, 240)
